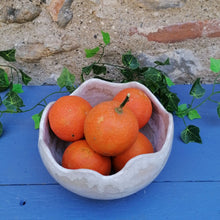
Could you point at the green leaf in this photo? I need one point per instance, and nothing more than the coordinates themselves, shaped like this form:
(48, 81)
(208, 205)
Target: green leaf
(169, 81)
(130, 61)
(153, 79)
(159, 63)
(106, 37)
(171, 103)
(97, 70)
(182, 110)
(13, 101)
(1, 129)
(4, 82)
(17, 88)
(8, 55)
(193, 114)
(153, 75)
(0, 100)
(86, 70)
(37, 118)
(66, 79)
(128, 74)
(218, 110)
(215, 65)
(191, 134)
(197, 90)
(25, 78)
(91, 52)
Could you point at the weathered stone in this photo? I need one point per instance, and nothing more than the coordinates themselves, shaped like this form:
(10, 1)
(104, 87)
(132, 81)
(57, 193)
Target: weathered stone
(60, 11)
(34, 52)
(176, 33)
(184, 65)
(31, 52)
(160, 4)
(43, 48)
(65, 14)
(181, 32)
(25, 13)
(106, 8)
(211, 28)
(54, 8)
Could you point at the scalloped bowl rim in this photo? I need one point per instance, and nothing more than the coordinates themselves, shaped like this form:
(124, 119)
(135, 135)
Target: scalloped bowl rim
(95, 185)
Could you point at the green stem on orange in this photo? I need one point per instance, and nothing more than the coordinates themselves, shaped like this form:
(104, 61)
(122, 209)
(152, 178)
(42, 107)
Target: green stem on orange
(120, 108)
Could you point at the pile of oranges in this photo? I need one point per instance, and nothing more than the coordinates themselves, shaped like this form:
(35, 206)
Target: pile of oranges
(104, 137)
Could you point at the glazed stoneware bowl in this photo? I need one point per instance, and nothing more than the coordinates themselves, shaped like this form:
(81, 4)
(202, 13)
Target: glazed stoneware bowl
(136, 174)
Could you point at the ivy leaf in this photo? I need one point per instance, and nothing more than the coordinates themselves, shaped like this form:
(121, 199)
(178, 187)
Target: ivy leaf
(66, 79)
(4, 82)
(215, 65)
(191, 134)
(193, 114)
(128, 74)
(169, 81)
(106, 37)
(17, 88)
(25, 78)
(153, 79)
(218, 110)
(197, 90)
(130, 61)
(182, 110)
(153, 74)
(86, 70)
(171, 104)
(91, 52)
(13, 101)
(97, 70)
(1, 129)
(8, 55)
(37, 118)
(159, 63)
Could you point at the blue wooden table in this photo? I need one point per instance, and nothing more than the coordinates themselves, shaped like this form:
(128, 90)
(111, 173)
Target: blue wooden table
(187, 188)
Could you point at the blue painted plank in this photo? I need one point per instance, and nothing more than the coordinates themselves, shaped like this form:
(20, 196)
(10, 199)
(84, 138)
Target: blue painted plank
(195, 161)
(19, 150)
(21, 163)
(174, 200)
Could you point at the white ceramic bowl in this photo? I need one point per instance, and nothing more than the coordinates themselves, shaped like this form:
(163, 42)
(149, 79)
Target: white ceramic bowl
(137, 173)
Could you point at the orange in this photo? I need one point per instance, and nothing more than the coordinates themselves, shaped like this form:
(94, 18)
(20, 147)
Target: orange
(67, 116)
(142, 145)
(139, 103)
(79, 155)
(110, 128)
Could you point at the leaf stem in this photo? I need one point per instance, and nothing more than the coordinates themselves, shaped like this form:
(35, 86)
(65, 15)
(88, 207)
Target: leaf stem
(11, 71)
(184, 122)
(208, 98)
(38, 104)
(215, 82)
(102, 54)
(193, 99)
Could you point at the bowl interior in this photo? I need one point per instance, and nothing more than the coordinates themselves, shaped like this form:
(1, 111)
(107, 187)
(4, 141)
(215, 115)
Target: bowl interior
(94, 93)
(135, 175)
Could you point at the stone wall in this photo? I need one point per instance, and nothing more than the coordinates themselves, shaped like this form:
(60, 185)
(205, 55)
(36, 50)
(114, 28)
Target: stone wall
(51, 34)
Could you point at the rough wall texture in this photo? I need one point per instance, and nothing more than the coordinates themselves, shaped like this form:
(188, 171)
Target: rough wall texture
(51, 34)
